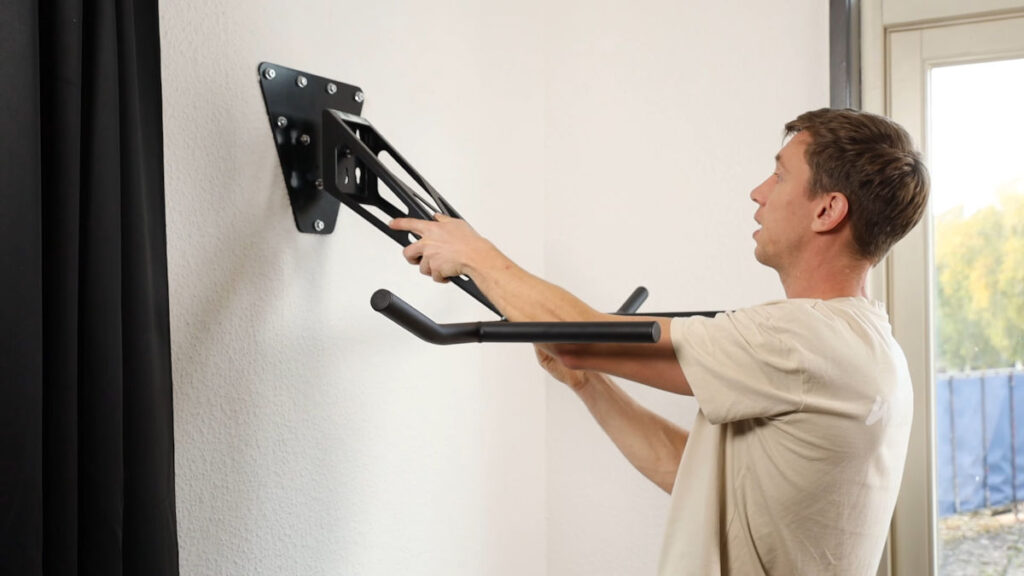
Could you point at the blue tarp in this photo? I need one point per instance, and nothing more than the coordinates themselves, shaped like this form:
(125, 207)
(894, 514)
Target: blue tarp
(975, 458)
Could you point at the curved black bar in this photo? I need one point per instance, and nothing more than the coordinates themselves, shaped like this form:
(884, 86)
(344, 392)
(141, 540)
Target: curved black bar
(632, 304)
(416, 322)
(401, 313)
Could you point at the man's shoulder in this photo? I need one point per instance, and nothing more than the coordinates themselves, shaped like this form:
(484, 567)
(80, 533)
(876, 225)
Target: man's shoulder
(857, 329)
(846, 310)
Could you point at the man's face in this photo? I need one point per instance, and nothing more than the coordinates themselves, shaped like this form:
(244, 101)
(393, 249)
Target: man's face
(785, 207)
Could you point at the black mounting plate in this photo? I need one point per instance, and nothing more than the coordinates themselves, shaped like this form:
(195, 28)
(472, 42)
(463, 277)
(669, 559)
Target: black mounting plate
(295, 103)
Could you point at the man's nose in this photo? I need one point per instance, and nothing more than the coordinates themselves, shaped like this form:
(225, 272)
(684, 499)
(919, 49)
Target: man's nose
(757, 194)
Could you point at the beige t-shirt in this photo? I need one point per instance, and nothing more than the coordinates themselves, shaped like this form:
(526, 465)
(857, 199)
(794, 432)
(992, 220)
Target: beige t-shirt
(795, 459)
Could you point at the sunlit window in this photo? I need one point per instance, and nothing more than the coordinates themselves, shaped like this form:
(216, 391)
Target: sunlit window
(976, 158)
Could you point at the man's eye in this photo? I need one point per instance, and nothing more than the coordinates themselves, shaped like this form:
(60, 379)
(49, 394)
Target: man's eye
(777, 176)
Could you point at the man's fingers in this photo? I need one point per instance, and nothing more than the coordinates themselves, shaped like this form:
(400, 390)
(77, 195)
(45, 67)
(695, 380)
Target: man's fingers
(414, 225)
(413, 253)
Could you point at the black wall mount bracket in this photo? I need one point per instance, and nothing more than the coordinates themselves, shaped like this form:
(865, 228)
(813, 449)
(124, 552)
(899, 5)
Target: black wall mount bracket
(295, 103)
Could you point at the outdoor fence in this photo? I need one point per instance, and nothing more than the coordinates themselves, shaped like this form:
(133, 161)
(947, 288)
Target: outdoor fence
(979, 434)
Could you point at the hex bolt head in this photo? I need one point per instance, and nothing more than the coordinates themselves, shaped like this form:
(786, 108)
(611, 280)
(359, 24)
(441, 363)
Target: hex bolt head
(301, 81)
(282, 121)
(318, 225)
(269, 73)
(304, 139)
(359, 96)
(319, 184)
(332, 87)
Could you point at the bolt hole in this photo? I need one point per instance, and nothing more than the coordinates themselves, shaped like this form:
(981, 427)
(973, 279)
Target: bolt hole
(359, 176)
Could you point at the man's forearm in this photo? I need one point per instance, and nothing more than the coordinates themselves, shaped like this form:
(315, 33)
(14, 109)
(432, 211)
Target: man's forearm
(651, 443)
(523, 297)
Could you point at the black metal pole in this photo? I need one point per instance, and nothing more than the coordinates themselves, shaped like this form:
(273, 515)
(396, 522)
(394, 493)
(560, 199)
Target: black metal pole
(416, 322)
(632, 304)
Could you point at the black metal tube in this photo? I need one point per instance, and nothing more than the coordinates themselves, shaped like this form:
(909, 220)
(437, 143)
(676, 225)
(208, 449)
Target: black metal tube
(416, 322)
(571, 332)
(632, 304)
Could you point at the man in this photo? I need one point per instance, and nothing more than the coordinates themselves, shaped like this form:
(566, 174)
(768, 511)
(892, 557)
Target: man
(795, 457)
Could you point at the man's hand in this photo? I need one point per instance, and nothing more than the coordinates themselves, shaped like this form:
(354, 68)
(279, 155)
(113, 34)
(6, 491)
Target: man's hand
(448, 247)
(651, 443)
(575, 379)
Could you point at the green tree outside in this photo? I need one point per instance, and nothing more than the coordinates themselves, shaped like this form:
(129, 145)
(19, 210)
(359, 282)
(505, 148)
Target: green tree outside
(979, 267)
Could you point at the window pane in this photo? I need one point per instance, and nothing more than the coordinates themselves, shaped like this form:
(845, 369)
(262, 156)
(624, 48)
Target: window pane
(976, 158)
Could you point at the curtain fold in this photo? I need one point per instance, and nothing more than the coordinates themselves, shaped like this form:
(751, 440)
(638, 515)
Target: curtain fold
(87, 452)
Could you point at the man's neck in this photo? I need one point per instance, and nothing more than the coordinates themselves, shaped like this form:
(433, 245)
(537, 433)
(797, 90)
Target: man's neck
(827, 276)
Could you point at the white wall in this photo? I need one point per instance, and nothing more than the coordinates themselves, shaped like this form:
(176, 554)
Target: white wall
(313, 436)
(599, 144)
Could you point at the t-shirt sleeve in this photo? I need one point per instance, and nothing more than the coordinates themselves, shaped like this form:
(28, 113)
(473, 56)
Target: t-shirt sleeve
(739, 364)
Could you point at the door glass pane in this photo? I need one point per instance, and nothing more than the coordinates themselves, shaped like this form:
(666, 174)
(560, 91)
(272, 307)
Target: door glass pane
(976, 158)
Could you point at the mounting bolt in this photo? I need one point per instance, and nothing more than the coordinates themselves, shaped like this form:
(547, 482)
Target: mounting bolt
(359, 96)
(269, 73)
(319, 183)
(301, 81)
(332, 87)
(304, 139)
(282, 121)
(318, 225)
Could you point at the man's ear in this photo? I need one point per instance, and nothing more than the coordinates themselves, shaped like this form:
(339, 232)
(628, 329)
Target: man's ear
(831, 212)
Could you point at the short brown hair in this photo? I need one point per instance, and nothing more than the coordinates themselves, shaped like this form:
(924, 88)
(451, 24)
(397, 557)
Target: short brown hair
(872, 161)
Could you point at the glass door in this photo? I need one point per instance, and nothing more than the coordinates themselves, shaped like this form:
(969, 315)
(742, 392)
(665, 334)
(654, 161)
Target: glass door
(956, 295)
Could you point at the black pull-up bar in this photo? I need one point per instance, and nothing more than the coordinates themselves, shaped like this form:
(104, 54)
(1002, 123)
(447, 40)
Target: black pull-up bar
(416, 322)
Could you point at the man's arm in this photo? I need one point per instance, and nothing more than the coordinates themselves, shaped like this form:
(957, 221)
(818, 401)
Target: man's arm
(652, 444)
(449, 247)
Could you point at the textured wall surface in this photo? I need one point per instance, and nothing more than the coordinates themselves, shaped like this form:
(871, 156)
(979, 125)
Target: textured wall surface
(600, 144)
(314, 436)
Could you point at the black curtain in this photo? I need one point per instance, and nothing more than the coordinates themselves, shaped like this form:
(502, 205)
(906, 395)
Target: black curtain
(87, 452)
